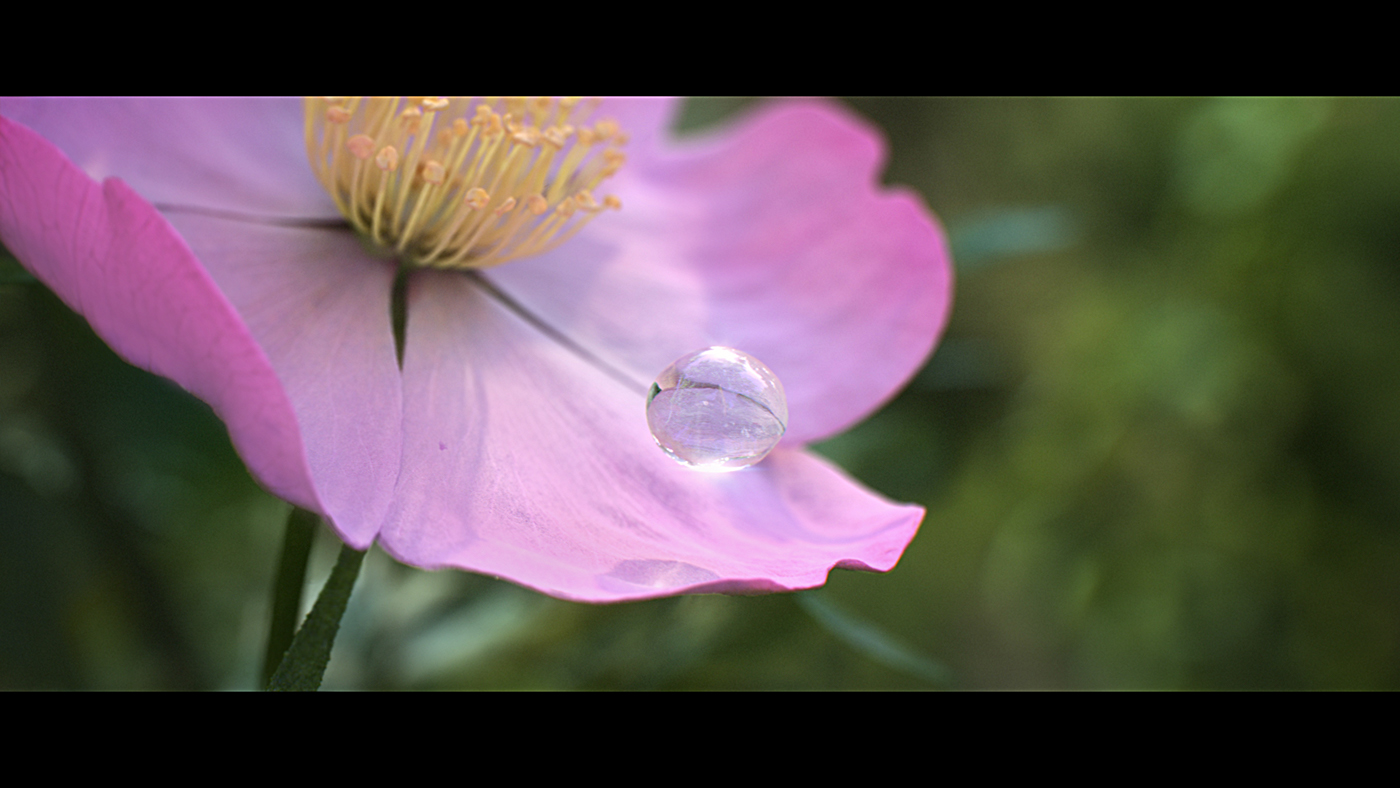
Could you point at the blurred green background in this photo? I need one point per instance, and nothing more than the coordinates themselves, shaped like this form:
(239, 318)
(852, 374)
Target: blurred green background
(1158, 448)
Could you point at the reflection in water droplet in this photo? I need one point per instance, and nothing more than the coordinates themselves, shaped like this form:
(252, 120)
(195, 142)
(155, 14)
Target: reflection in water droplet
(717, 409)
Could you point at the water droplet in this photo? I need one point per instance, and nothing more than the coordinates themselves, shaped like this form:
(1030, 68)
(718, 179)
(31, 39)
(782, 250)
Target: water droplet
(717, 409)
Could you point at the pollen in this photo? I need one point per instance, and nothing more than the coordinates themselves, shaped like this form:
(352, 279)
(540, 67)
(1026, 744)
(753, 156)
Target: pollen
(464, 183)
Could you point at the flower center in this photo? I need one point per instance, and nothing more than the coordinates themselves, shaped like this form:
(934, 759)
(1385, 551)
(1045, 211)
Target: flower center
(450, 183)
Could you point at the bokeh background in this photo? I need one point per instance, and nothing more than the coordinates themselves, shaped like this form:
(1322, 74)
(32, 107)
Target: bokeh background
(1158, 448)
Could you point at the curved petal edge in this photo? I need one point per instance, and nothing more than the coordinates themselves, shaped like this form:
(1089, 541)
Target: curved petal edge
(774, 236)
(115, 260)
(523, 461)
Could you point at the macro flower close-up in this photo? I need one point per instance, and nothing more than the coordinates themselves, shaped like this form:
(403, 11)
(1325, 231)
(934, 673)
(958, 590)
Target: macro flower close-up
(540, 263)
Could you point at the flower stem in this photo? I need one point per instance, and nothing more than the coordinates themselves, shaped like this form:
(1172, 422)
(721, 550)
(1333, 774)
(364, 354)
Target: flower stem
(286, 593)
(305, 663)
(872, 641)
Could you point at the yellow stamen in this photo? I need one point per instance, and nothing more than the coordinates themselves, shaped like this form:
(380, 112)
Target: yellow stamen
(462, 183)
(387, 161)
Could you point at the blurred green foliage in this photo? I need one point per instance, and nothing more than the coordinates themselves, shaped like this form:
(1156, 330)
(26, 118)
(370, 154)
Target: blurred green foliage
(1157, 447)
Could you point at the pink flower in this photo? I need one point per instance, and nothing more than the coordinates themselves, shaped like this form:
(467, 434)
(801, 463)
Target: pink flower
(502, 448)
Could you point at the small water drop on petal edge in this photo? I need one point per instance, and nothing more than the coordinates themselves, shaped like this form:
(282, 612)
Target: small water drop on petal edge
(717, 409)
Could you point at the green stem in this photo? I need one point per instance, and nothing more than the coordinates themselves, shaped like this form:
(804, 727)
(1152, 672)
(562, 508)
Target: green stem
(286, 594)
(872, 641)
(305, 663)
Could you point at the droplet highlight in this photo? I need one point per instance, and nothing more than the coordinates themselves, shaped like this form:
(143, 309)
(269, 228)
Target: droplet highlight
(717, 409)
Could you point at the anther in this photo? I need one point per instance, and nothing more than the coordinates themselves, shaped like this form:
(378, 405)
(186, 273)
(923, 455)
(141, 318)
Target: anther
(605, 128)
(557, 135)
(361, 145)
(477, 198)
(434, 172)
(410, 119)
(615, 159)
(453, 191)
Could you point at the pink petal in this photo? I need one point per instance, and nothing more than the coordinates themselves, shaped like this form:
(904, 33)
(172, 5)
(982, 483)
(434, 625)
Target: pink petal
(318, 305)
(646, 121)
(518, 458)
(242, 155)
(773, 237)
(313, 300)
(111, 257)
(522, 461)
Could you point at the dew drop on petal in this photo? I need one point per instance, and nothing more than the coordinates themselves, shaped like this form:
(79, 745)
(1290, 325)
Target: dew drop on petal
(717, 409)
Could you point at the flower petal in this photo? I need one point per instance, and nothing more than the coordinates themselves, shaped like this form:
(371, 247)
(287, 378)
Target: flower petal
(241, 155)
(318, 305)
(773, 237)
(112, 257)
(523, 461)
(646, 121)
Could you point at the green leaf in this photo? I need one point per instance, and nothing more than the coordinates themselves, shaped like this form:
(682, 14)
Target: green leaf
(872, 641)
(286, 595)
(305, 663)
